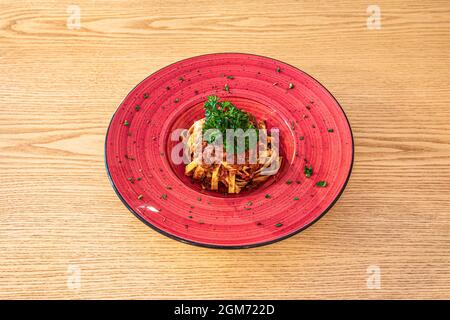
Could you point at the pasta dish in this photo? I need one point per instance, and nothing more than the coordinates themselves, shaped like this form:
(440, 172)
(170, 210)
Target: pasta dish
(230, 165)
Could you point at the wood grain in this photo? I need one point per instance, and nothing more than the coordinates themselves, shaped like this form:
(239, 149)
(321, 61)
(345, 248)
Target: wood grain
(59, 88)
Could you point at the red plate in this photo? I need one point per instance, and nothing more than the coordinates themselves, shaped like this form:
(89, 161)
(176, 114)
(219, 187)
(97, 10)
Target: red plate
(313, 131)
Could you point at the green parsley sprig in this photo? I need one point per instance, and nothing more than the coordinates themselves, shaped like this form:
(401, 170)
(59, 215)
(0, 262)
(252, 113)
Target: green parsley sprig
(223, 115)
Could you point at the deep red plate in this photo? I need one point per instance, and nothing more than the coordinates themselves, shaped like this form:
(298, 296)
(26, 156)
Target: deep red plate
(313, 131)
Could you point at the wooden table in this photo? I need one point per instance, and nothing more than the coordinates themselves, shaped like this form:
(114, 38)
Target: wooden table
(65, 234)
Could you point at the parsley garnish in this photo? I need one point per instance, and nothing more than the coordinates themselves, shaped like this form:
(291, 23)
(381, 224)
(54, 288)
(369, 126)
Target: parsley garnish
(321, 184)
(223, 115)
(308, 171)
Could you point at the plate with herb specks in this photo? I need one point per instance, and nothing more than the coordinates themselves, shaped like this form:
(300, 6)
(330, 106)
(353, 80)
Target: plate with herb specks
(316, 144)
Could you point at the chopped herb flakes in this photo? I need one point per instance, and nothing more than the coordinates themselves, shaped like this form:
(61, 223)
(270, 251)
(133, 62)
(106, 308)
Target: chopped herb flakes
(278, 225)
(330, 130)
(291, 85)
(278, 69)
(267, 196)
(295, 198)
(321, 184)
(137, 107)
(140, 197)
(164, 196)
(146, 95)
(302, 138)
(308, 171)
(289, 182)
(230, 77)
(226, 88)
(126, 123)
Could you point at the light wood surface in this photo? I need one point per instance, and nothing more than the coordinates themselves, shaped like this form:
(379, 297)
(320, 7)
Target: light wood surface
(59, 216)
